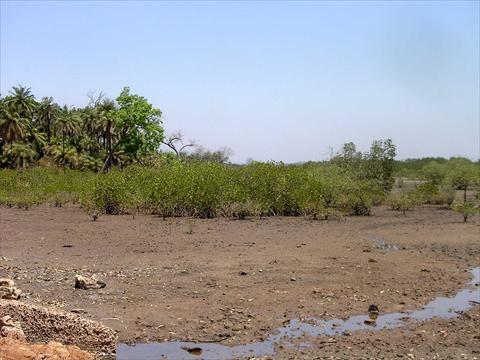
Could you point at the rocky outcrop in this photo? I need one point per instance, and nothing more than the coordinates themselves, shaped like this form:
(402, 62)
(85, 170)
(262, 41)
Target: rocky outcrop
(14, 346)
(8, 290)
(11, 329)
(42, 325)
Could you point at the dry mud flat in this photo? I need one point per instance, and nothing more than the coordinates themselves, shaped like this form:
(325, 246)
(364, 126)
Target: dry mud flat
(233, 281)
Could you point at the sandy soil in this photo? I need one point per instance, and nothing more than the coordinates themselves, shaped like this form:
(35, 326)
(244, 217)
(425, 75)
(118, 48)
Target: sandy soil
(233, 281)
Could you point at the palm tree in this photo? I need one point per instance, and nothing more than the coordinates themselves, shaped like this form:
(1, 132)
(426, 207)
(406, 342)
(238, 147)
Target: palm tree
(47, 112)
(20, 154)
(106, 109)
(22, 100)
(66, 123)
(63, 155)
(12, 126)
(37, 138)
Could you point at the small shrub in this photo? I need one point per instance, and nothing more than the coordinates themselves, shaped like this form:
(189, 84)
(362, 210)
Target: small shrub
(467, 209)
(109, 193)
(426, 192)
(403, 202)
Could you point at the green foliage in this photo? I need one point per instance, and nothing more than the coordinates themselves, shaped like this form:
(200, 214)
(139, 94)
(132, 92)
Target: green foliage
(426, 192)
(322, 196)
(463, 175)
(110, 193)
(434, 172)
(42, 186)
(104, 134)
(404, 201)
(456, 171)
(375, 166)
(466, 209)
(361, 196)
(198, 189)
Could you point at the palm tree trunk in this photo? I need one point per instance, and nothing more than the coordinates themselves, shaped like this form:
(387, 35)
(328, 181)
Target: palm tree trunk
(48, 129)
(63, 149)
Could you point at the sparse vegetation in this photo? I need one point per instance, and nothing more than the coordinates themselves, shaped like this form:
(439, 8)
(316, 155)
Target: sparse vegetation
(404, 201)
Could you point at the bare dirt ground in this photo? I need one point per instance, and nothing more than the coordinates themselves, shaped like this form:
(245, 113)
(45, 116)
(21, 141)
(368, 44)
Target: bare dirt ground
(234, 281)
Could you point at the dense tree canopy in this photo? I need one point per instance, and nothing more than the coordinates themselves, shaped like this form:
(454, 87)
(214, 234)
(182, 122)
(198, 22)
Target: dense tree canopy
(101, 135)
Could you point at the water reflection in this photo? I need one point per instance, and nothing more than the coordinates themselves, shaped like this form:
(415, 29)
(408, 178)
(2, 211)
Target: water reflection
(444, 307)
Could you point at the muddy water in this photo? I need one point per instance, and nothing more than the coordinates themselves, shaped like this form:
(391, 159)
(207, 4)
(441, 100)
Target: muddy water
(440, 307)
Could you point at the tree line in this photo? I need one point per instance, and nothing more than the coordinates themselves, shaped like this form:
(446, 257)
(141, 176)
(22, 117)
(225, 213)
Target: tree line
(103, 134)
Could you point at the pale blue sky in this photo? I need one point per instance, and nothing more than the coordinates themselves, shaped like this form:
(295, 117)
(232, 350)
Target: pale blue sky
(270, 80)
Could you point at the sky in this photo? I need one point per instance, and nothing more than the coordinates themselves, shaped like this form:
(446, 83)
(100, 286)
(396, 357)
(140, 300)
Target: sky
(283, 81)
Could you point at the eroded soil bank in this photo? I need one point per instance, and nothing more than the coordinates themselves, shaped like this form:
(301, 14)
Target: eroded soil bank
(233, 281)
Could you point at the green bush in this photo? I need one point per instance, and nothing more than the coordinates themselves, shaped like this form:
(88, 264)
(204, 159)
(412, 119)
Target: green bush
(467, 209)
(426, 192)
(199, 189)
(404, 201)
(110, 193)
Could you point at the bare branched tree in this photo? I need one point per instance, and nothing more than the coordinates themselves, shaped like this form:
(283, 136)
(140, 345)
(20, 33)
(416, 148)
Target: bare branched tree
(176, 143)
(95, 99)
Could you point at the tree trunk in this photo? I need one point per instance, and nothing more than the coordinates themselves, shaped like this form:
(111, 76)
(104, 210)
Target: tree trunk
(63, 150)
(109, 136)
(48, 129)
(465, 194)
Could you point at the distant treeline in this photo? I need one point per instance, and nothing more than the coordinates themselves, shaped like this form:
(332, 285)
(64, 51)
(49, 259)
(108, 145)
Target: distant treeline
(413, 168)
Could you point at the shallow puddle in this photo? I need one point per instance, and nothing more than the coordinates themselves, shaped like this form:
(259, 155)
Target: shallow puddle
(444, 307)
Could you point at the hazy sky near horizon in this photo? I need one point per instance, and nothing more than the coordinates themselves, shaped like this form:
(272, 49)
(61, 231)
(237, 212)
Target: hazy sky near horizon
(270, 80)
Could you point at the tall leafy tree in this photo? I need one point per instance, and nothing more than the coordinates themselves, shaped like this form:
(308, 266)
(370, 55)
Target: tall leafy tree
(139, 128)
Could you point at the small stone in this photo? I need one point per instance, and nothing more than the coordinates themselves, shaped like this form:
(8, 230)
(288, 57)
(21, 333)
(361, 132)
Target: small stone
(193, 350)
(293, 279)
(85, 283)
(373, 309)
